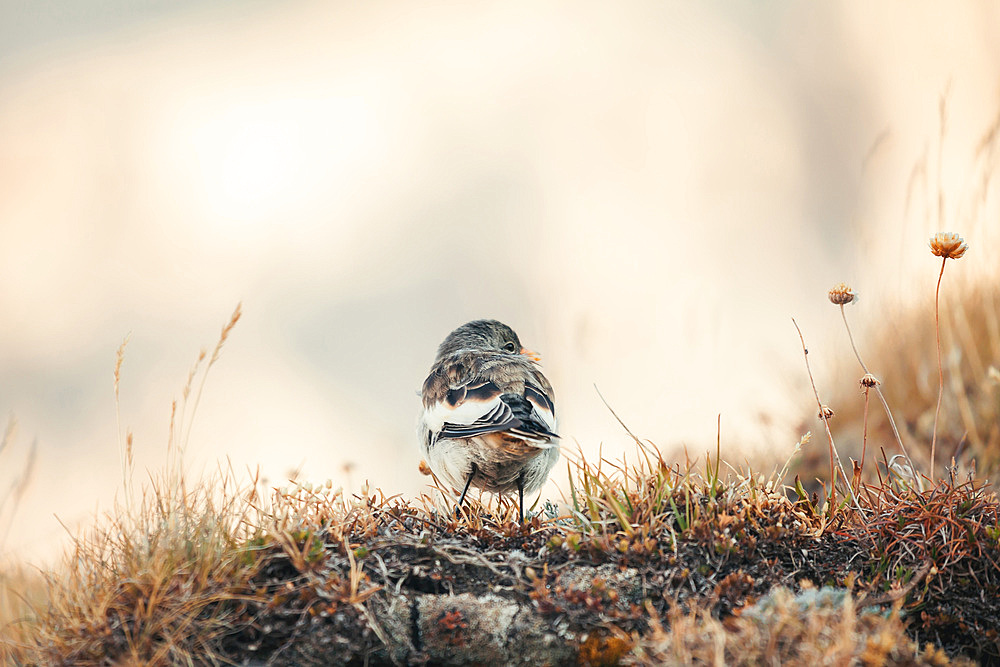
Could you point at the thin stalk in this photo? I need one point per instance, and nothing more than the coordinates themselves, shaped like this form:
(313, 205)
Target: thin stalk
(826, 425)
(124, 447)
(937, 332)
(864, 431)
(885, 403)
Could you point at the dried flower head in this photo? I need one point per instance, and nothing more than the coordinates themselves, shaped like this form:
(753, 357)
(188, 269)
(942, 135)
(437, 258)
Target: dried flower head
(868, 380)
(842, 294)
(825, 412)
(424, 468)
(948, 245)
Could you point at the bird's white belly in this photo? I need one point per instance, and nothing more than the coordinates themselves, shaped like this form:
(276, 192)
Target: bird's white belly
(451, 461)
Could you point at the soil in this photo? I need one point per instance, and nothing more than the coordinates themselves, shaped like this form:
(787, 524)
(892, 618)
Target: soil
(418, 591)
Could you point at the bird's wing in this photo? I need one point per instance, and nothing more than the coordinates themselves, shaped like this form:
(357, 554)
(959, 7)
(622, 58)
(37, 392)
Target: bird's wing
(543, 408)
(480, 406)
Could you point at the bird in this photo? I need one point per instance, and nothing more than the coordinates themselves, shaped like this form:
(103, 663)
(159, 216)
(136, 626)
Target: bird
(489, 418)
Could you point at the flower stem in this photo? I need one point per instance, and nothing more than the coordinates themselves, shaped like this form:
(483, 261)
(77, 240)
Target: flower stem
(937, 331)
(864, 432)
(885, 403)
(834, 455)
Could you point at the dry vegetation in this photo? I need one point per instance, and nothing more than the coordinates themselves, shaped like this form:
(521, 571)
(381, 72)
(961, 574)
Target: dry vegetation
(645, 561)
(968, 429)
(815, 627)
(938, 369)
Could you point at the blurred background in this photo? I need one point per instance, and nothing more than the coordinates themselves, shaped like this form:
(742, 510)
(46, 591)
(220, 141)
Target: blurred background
(646, 191)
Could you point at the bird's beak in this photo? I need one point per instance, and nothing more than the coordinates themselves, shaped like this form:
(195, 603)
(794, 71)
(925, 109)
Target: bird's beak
(534, 356)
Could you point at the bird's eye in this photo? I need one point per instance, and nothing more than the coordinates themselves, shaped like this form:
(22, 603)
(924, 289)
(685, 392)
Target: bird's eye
(510, 347)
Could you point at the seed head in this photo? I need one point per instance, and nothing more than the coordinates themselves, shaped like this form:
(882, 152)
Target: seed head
(868, 380)
(825, 412)
(424, 468)
(842, 294)
(948, 245)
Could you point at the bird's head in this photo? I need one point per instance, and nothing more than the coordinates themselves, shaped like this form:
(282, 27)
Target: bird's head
(485, 336)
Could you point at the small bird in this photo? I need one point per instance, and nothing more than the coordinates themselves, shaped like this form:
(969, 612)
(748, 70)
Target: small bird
(488, 419)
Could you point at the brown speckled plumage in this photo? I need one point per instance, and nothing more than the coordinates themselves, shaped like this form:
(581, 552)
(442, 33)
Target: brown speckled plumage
(489, 417)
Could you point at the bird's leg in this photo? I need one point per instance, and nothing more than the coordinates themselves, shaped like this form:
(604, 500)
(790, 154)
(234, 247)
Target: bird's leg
(468, 483)
(520, 496)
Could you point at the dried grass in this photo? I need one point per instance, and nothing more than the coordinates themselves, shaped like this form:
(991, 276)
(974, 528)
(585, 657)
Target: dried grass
(827, 628)
(219, 573)
(968, 431)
